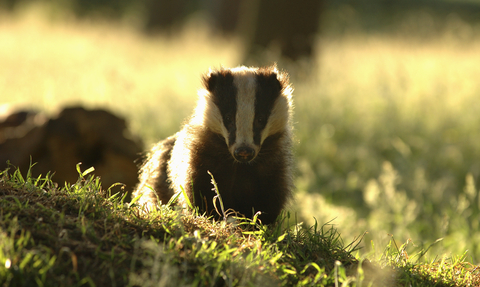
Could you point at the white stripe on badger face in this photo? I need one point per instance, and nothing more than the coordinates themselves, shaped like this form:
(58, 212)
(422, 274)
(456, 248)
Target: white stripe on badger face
(208, 115)
(246, 88)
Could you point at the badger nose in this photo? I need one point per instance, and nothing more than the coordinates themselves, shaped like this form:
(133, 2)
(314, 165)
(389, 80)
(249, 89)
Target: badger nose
(244, 154)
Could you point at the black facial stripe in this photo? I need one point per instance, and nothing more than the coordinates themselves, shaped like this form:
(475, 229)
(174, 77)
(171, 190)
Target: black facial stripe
(268, 90)
(220, 84)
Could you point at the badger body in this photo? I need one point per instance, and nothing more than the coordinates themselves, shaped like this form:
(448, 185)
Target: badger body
(241, 133)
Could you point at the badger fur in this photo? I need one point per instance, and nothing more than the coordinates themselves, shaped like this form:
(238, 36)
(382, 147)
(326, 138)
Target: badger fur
(241, 132)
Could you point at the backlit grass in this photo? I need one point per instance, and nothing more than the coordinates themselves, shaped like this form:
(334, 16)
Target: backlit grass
(388, 130)
(79, 235)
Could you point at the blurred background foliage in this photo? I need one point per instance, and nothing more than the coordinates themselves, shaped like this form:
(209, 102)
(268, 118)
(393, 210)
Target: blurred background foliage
(387, 112)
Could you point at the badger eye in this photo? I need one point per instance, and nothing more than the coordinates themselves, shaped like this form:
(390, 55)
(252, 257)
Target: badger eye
(260, 120)
(228, 120)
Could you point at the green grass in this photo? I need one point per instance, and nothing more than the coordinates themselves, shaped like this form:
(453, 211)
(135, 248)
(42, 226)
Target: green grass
(386, 127)
(78, 235)
(393, 147)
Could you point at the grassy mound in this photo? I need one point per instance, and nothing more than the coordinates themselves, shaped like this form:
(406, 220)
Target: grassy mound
(79, 235)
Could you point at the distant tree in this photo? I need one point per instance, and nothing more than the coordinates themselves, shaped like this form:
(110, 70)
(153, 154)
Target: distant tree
(8, 5)
(225, 14)
(163, 15)
(292, 25)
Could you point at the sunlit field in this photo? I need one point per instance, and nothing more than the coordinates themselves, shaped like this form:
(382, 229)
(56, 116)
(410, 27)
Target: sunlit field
(150, 81)
(387, 129)
(388, 132)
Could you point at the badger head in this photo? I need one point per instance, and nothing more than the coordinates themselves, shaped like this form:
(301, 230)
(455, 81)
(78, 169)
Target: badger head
(245, 106)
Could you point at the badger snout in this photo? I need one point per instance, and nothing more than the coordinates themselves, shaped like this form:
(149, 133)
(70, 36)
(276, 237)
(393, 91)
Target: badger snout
(244, 154)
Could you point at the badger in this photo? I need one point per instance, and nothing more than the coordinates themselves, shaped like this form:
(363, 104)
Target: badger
(240, 132)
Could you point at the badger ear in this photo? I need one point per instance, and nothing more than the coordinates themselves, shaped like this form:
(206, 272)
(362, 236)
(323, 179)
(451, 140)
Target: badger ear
(274, 77)
(283, 80)
(274, 81)
(210, 81)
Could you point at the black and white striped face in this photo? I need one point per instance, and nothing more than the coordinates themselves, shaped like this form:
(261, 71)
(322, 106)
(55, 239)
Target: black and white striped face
(246, 106)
